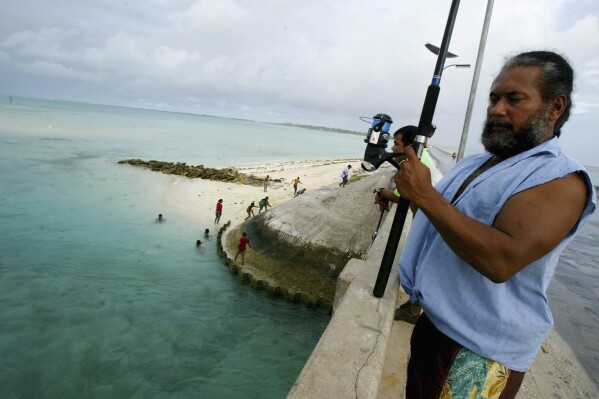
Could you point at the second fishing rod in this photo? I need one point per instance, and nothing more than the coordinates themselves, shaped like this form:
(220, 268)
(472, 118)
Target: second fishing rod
(375, 154)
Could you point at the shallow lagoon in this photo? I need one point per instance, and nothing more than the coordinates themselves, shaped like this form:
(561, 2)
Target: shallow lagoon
(99, 300)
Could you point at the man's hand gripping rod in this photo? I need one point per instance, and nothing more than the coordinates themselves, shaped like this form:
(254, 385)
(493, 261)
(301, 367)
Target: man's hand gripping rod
(375, 155)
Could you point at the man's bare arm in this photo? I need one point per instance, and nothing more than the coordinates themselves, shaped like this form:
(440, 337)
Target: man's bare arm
(530, 224)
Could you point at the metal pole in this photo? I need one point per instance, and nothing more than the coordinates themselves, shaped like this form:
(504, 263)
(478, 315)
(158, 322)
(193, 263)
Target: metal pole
(479, 61)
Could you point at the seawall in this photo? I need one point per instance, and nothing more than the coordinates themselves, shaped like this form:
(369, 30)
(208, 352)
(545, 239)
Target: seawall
(349, 358)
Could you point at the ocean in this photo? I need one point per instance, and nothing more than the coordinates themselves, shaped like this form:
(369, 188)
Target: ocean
(98, 300)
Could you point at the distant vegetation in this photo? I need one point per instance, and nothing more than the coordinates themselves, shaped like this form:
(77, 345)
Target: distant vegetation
(197, 172)
(322, 128)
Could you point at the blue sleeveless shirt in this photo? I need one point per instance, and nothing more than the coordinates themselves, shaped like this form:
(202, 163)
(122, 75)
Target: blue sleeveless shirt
(504, 322)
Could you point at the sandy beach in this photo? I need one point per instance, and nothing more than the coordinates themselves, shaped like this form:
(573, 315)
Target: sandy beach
(196, 198)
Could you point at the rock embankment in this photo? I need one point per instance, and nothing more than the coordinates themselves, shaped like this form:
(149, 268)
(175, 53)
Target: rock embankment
(231, 175)
(302, 245)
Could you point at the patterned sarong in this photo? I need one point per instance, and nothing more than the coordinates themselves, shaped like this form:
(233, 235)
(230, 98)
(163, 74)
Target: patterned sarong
(440, 368)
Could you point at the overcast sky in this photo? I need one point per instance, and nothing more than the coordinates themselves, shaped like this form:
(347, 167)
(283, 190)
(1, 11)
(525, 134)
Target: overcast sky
(313, 62)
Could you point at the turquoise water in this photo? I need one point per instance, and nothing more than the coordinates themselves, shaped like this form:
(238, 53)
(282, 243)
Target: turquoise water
(125, 132)
(98, 300)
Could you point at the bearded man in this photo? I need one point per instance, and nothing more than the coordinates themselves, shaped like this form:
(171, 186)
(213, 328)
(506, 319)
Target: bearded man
(484, 244)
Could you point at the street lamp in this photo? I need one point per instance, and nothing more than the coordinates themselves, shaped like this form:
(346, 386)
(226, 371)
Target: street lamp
(458, 66)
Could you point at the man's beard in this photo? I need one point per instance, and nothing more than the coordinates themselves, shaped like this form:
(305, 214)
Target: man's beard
(508, 143)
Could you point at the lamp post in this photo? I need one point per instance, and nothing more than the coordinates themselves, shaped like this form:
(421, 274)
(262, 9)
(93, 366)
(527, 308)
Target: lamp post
(479, 61)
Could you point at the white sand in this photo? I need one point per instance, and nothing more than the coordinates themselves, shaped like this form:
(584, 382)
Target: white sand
(196, 198)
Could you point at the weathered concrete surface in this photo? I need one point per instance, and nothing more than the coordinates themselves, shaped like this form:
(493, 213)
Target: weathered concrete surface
(393, 377)
(555, 373)
(348, 360)
(302, 245)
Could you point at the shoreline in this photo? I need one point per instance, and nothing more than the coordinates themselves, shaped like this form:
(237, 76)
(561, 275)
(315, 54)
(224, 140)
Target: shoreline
(196, 198)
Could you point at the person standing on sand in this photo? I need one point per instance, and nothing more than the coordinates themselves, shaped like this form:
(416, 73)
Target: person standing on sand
(296, 181)
(243, 242)
(219, 211)
(250, 210)
(264, 204)
(266, 182)
(345, 176)
(486, 240)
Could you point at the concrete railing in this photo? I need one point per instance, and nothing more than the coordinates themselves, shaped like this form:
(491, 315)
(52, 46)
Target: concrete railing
(349, 357)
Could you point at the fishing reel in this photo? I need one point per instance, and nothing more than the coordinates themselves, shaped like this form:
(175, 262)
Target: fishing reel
(378, 134)
(376, 142)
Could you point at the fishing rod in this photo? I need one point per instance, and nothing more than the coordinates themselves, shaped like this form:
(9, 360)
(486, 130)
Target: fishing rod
(375, 154)
(378, 226)
(387, 208)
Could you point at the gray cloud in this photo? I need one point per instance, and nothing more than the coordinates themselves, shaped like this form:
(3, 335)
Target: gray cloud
(308, 62)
